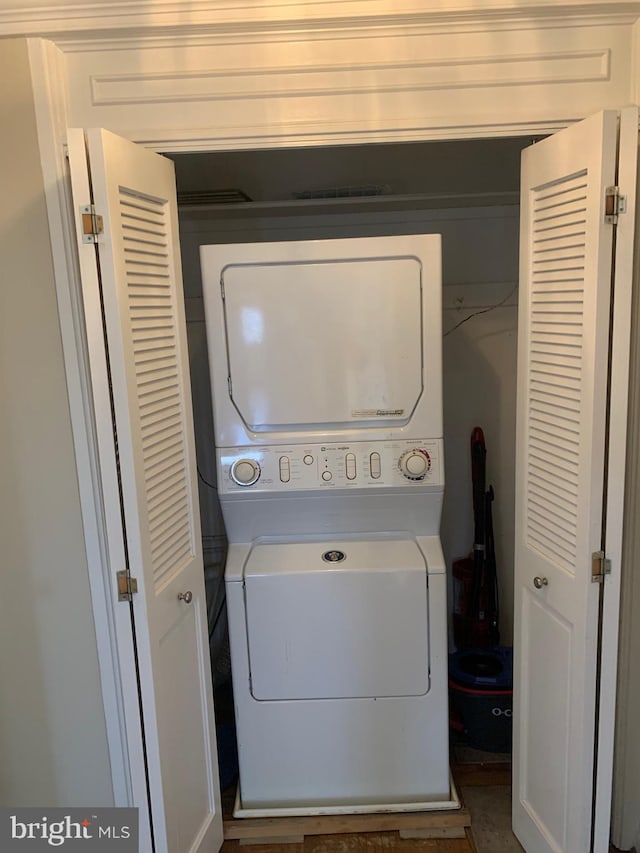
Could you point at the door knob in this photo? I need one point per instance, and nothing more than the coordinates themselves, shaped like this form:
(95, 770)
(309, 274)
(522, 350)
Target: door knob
(539, 582)
(187, 596)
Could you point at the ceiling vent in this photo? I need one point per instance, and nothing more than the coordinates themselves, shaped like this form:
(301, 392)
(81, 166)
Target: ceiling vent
(345, 192)
(202, 197)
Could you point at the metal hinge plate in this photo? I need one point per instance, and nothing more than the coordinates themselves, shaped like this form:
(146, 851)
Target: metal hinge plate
(92, 224)
(600, 567)
(614, 204)
(127, 586)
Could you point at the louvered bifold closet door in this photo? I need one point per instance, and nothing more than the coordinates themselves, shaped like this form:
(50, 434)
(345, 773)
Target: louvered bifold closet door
(144, 322)
(152, 310)
(556, 355)
(564, 305)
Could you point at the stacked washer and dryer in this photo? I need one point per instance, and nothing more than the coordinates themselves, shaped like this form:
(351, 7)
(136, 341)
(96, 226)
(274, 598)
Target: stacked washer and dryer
(325, 360)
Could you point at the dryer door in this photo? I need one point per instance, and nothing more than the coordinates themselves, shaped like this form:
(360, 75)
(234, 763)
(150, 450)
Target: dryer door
(332, 334)
(329, 620)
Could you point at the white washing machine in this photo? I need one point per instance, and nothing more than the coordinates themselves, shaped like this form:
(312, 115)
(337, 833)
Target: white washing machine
(325, 359)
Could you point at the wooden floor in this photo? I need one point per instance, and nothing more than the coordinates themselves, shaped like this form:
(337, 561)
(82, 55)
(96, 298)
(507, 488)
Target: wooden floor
(465, 775)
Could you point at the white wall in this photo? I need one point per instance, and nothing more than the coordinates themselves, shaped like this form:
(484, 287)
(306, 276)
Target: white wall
(480, 390)
(480, 250)
(52, 731)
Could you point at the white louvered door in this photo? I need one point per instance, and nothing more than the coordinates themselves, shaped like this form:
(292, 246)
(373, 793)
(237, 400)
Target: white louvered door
(565, 287)
(143, 316)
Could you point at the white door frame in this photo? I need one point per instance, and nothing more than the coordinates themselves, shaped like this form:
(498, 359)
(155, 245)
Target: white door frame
(114, 629)
(622, 286)
(117, 675)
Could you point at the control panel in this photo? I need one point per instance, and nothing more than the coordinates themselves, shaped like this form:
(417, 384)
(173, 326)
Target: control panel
(329, 466)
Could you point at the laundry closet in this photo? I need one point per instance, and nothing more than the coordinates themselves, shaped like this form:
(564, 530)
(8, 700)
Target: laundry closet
(464, 198)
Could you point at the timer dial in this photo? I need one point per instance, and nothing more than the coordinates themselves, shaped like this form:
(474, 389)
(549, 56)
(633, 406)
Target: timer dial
(414, 464)
(245, 472)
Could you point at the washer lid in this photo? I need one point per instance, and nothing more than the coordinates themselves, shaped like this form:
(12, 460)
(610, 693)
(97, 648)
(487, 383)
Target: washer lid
(369, 555)
(352, 626)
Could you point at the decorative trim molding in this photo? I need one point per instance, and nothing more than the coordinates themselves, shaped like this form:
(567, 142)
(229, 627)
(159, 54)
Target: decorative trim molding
(73, 20)
(334, 133)
(626, 782)
(626, 823)
(353, 79)
(334, 31)
(324, 83)
(48, 77)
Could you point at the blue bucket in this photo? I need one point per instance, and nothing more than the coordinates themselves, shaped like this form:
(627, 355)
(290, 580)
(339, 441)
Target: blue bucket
(481, 696)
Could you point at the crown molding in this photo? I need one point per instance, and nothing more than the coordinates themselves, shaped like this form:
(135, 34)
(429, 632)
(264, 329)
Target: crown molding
(321, 31)
(71, 21)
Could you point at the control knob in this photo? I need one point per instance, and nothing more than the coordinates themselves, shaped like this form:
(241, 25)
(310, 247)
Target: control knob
(245, 472)
(414, 464)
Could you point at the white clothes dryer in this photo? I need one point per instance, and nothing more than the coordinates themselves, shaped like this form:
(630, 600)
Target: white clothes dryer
(325, 359)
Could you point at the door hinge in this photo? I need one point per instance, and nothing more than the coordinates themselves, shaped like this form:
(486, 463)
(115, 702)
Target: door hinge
(92, 224)
(127, 586)
(614, 204)
(600, 567)
(230, 386)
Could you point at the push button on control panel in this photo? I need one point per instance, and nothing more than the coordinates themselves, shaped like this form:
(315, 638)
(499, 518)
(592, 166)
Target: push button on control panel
(308, 459)
(327, 475)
